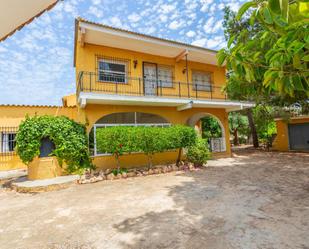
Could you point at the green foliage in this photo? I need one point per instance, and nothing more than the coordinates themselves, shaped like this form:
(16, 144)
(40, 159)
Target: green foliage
(120, 171)
(210, 128)
(239, 127)
(267, 58)
(265, 124)
(69, 137)
(149, 140)
(199, 152)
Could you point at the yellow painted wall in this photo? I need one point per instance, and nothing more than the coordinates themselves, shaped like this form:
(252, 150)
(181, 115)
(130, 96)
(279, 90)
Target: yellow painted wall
(86, 60)
(281, 142)
(11, 116)
(94, 112)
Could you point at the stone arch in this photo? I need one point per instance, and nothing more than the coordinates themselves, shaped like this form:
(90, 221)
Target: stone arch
(197, 116)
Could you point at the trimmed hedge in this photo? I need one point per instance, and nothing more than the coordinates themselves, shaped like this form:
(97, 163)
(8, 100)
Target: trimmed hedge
(69, 137)
(149, 140)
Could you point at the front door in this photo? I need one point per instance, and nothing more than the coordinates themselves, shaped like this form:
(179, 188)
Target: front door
(150, 78)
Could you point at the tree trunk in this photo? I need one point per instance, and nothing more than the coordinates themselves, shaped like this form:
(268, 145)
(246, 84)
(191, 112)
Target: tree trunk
(149, 161)
(118, 163)
(179, 156)
(235, 134)
(255, 138)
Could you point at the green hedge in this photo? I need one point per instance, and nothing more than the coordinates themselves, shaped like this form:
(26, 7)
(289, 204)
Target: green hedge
(69, 137)
(149, 140)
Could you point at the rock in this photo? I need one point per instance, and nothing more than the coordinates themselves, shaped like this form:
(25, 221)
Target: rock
(157, 170)
(124, 175)
(110, 176)
(174, 168)
(191, 167)
(86, 181)
(181, 167)
(100, 178)
(139, 174)
(164, 169)
(145, 173)
(93, 179)
(150, 172)
(131, 174)
(107, 171)
(182, 163)
(118, 176)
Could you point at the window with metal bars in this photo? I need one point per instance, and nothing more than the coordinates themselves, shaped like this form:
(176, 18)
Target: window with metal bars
(201, 81)
(112, 70)
(7, 142)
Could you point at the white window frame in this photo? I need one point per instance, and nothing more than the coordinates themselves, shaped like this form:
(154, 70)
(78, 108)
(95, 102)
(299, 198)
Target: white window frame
(111, 125)
(118, 62)
(201, 87)
(5, 144)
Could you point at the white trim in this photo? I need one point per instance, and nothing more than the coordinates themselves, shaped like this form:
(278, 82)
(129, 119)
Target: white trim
(112, 99)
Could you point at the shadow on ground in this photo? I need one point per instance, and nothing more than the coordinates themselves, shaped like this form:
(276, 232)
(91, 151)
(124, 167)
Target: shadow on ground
(260, 202)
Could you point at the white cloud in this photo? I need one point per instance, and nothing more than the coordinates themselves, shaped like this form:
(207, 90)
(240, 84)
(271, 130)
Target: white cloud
(115, 21)
(175, 25)
(200, 42)
(134, 17)
(93, 10)
(167, 8)
(190, 33)
(209, 25)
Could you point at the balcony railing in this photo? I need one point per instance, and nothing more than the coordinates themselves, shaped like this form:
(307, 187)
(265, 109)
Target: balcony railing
(132, 86)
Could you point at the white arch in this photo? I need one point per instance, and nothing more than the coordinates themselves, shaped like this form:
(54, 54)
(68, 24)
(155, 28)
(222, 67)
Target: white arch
(196, 117)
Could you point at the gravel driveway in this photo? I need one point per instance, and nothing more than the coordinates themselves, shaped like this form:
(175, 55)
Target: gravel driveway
(254, 200)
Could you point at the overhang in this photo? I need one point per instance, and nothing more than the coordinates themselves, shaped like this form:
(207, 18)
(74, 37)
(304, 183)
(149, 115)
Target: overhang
(99, 34)
(180, 104)
(15, 14)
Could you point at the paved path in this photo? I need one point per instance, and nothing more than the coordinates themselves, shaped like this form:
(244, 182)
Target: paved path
(255, 200)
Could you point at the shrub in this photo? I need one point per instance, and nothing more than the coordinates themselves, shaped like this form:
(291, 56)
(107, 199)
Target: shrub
(114, 140)
(199, 152)
(149, 140)
(69, 137)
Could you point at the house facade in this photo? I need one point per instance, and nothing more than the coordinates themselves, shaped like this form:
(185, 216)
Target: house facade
(127, 78)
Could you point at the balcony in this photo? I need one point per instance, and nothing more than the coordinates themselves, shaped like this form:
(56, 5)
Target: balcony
(93, 88)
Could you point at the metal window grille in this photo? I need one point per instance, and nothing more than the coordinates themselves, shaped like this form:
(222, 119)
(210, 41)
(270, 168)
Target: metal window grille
(7, 140)
(112, 69)
(217, 144)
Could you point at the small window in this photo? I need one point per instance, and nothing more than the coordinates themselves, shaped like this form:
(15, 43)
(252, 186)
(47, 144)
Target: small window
(201, 81)
(165, 76)
(112, 71)
(7, 142)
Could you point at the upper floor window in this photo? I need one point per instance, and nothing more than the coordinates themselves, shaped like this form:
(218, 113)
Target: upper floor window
(201, 81)
(112, 71)
(7, 142)
(165, 76)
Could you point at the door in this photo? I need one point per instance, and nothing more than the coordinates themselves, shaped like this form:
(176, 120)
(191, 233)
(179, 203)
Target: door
(150, 78)
(299, 136)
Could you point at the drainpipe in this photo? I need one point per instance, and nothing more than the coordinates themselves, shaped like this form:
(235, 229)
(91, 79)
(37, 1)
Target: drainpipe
(187, 73)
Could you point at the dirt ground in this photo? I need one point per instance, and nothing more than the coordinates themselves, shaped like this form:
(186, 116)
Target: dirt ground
(254, 200)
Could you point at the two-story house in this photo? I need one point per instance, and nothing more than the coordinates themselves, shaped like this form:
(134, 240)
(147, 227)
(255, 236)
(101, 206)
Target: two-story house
(128, 78)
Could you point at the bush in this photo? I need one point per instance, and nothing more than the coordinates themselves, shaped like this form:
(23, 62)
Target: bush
(199, 152)
(69, 137)
(149, 140)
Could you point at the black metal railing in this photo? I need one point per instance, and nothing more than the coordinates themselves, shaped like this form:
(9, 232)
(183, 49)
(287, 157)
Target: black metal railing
(7, 142)
(139, 86)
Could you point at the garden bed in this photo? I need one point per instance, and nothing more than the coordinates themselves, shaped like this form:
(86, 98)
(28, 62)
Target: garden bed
(109, 174)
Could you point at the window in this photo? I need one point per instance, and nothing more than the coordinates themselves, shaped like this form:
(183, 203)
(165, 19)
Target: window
(7, 142)
(201, 81)
(165, 76)
(124, 119)
(112, 71)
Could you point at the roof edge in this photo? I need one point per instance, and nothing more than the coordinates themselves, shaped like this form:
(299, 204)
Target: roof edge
(80, 19)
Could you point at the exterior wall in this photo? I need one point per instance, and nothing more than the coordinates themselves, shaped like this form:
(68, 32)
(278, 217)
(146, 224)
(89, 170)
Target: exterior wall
(11, 116)
(281, 142)
(95, 112)
(86, 59)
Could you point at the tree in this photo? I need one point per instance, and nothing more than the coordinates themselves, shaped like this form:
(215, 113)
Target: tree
(210, 128)
(274, 60)
(238, 123)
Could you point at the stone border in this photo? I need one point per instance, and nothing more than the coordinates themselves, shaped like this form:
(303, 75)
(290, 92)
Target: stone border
(102, 175)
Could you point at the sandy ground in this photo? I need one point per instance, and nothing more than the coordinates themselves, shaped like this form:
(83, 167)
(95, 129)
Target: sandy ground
(254, 200)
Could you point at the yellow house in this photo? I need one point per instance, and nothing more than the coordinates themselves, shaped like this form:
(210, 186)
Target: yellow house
(128, 78)
(292, 134)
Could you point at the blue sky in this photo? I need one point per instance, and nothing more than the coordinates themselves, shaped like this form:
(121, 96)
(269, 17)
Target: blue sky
(36, 63)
